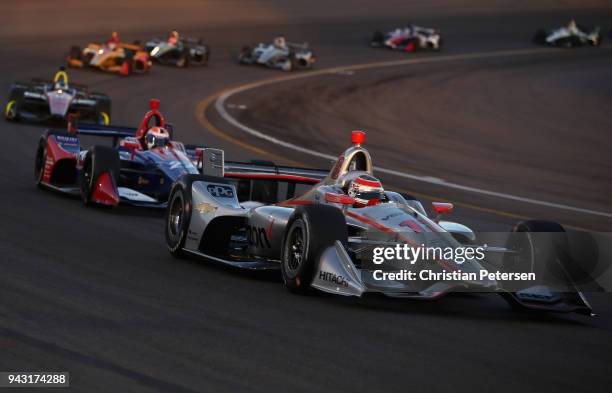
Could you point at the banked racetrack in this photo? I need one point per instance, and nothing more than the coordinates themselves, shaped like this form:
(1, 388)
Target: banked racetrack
(504, 129)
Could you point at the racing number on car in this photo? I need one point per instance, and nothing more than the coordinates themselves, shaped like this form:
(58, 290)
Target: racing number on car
(257, 237)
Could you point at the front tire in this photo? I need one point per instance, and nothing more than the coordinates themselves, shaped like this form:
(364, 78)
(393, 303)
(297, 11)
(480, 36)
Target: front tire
(11, 111)
(378, 39)
(246, 55)
(39, 160)
(311, 230)
(537, 254)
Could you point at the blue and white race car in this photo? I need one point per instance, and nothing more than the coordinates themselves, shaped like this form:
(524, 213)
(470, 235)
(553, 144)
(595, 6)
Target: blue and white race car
(139, 167)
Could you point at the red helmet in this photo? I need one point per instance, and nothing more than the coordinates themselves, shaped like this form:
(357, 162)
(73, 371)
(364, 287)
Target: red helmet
(156, 137)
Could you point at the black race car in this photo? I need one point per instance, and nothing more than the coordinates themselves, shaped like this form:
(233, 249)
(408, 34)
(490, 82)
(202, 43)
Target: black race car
(178, 51)
(42, 100)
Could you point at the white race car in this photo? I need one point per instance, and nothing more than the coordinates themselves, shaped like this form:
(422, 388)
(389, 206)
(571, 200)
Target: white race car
(569, 36)
(321, 228)
(280, 54)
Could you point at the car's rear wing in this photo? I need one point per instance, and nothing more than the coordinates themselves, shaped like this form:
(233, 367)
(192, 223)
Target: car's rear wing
(271, 171)
(41, 81)
(192, 40)
(211, 161)
(299, 46)
(110, 131)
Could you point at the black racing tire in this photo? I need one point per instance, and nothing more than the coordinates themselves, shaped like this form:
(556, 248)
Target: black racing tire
(75, 53)
(537, 254)
(178, 212)
(310, 230)
(129, 60)
(104, 106)
(201, 60)
(567, 43)
(539, 37)
(178, 217)
(378, 38)
(184, 60)
(293, 63)
(207, 54)
(245, 55)
(11, 110)
(99, 159)
(39, 160)
(599, 40)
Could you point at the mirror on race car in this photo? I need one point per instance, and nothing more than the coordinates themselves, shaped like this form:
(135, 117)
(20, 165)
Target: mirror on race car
(441, 208)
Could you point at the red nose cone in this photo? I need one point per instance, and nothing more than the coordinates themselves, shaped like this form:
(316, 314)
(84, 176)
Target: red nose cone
(357, 137)
(154, 104)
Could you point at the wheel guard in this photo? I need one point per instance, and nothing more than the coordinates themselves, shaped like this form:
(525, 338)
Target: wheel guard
(337, 274)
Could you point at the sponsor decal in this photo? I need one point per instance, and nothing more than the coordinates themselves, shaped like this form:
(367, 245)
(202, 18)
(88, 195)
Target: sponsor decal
(174, 165)
(390, 216)
(333, 278)
(220, 191)
(66, 139)
(257, 237)
(205, 208)
(142, 181)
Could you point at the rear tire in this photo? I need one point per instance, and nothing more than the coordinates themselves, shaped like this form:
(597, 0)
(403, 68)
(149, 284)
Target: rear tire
(292, 63)
(311, 229)
(178, 212)
(99, 159)
(104, 108)
(183, 61)
(178, 216)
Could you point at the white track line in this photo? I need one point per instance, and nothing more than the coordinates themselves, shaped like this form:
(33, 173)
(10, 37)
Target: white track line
(220, 107)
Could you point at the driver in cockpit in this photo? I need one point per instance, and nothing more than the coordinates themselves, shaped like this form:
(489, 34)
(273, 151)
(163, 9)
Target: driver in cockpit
(366, 190)
(156, 137)
(60, 80)
(173, 38)
(113, 41)
(280, 43)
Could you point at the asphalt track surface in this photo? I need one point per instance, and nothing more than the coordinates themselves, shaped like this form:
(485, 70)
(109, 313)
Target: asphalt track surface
(94, 291)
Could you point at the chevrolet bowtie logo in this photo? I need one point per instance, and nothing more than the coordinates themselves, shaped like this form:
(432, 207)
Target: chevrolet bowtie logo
(205, 207)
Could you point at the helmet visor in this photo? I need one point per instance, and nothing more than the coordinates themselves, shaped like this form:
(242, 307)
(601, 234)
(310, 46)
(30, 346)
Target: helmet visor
(153, 140)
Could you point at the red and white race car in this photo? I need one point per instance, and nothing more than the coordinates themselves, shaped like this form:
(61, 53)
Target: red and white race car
(409, 39)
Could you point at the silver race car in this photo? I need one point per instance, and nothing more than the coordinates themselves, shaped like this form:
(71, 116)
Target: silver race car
(569, 36)
(280, 54)
(319, 228)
